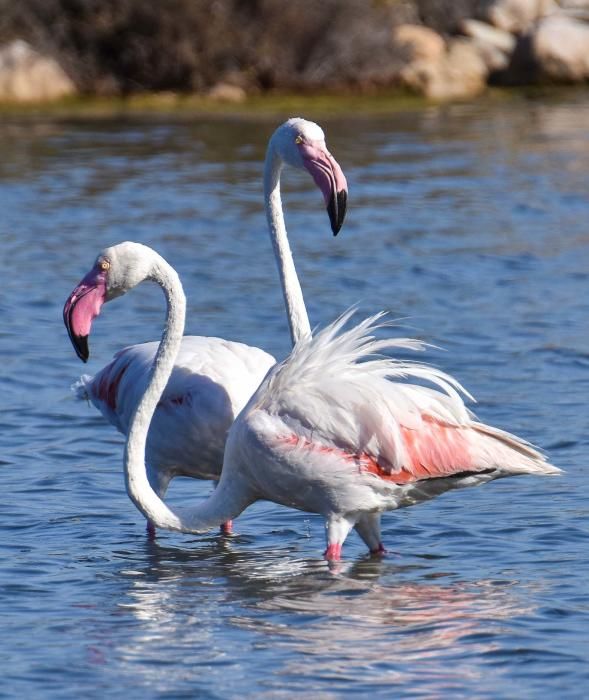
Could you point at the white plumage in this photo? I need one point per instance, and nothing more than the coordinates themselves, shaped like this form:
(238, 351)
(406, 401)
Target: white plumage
(212, 378)
(335, 429)
(339, 430)
(211, 382)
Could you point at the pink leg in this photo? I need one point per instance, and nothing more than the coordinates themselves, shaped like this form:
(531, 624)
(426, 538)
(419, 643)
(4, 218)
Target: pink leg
(227, 528)
(150, 530)
(380, 551)
(337, 529)
(333, 552)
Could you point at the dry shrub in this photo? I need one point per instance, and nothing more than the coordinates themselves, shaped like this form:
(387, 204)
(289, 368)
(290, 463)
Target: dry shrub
(124, 46)
(445, 15)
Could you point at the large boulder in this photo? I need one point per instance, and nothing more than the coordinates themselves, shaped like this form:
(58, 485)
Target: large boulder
(28, 76)
(483, 32)
(518, 16)
(419, 43)
(459, 73)
(576, 8)
(560, 47)
(494, 45)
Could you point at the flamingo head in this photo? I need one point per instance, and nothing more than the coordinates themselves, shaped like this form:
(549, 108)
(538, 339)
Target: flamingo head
(116, 270)
(301, 143)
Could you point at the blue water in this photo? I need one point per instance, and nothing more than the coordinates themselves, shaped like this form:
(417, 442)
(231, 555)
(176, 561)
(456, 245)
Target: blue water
(469, 222)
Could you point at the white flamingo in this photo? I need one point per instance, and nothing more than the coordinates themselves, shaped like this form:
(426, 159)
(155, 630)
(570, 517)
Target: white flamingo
(212, 378)
(331, 430)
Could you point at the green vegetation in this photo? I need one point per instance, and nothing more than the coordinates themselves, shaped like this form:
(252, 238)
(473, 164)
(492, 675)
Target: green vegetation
(185, 106)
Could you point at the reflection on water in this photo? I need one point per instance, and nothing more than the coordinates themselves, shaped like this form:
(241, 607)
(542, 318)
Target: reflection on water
(364, 622)
(470, 222)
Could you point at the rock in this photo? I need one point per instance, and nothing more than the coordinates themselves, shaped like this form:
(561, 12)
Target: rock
(485, 33)
(575, 8)
(560, 47)
(518, 16)
(225, 92)
(436, 71)
(495, 59)
(460, 73)
(581, 13)
(463, 73)
(420, 43)
(495, 46)
(28, 76)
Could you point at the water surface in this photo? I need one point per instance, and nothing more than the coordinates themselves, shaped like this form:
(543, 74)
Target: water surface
(471, 224)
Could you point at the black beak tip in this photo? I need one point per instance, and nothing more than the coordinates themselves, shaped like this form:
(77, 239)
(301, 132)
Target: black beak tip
(80, 343)
(337, 210)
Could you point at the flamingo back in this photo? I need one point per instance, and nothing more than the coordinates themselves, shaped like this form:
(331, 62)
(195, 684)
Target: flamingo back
(211, 381)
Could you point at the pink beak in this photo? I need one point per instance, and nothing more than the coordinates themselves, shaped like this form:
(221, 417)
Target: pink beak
(330, 179)
(82, 307)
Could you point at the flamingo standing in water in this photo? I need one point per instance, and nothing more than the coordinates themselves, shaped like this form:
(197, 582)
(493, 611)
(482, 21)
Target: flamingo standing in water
(211, 379)
(335, 429)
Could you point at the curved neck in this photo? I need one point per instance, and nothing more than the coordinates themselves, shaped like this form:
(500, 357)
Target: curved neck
(298, 320)
(223, 505)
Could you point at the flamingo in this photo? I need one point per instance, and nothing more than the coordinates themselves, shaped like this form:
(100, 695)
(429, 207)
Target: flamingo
(335, 429)
(212, 378)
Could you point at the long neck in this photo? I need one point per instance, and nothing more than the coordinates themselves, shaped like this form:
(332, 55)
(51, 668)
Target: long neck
(225, 503)
(298, 320)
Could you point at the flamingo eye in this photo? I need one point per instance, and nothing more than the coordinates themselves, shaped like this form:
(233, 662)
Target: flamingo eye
(104, 265)
(299, 139)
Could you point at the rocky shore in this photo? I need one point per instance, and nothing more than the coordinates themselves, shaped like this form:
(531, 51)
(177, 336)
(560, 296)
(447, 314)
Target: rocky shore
(226, 50)
(511, 42)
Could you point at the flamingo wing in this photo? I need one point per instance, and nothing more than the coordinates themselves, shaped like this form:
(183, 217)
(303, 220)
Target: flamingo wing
(211, 381)
(334, 396)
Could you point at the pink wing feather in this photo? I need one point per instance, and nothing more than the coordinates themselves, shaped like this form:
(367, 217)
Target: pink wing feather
(338, 395)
